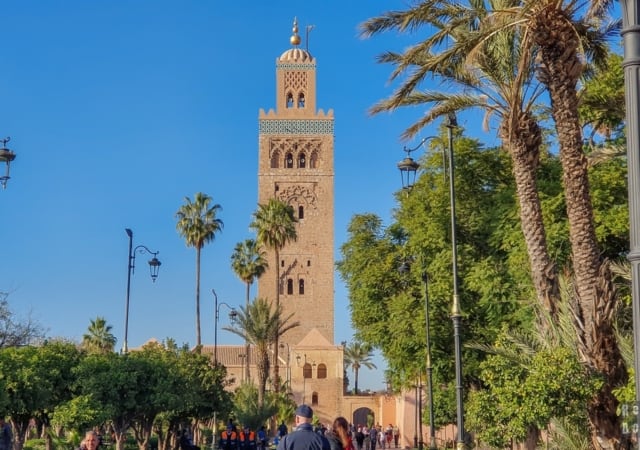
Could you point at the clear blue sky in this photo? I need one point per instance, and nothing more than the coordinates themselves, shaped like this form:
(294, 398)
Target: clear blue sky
(118, 110)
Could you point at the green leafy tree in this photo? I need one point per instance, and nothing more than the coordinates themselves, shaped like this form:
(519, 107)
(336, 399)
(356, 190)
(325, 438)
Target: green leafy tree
(356, 356)
(248, 262)
(275, 225)
(492, 265)
(198, 225)
(99, 338)
(261, 324)
(197, 389)
(602, 101)
(37, 380)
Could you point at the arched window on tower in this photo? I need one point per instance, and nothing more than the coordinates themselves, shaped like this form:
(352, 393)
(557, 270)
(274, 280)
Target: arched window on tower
(313, 161)
(314, 399)
(301, 100)
(289, 161)
(322, 371)
(301, 286)
(300, 212)
(289, 286)
(289, 100)
(302, 161)
(275, 160)
(307, 372)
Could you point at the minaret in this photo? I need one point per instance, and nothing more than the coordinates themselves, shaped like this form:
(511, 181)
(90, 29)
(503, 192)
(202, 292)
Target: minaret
(296, 166)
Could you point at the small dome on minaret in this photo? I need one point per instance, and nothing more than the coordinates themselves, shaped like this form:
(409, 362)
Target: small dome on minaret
(296, 54)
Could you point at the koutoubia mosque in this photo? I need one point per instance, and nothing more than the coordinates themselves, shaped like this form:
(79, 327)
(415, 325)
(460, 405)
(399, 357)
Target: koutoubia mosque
(296, 165)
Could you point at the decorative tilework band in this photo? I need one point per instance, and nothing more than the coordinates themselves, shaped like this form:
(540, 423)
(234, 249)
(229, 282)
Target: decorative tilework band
(296, 126)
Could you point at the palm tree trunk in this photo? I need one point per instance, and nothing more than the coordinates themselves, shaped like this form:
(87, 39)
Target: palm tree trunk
(276, 365)
(355, 381)
(262, 362)
(524, 138)
(247, 347)
(560, 69)
(198, 337)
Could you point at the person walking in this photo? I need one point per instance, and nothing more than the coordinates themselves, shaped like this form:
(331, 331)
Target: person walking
(340, 437)
(396, 435)
(303, 438)
(381, 437)
(373, 437)
(282, 430)
(359, 438)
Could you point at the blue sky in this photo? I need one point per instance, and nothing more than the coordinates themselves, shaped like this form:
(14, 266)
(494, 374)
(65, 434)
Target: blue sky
(118, 110)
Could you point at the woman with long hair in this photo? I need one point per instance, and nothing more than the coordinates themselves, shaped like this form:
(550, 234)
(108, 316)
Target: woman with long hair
(340, 436)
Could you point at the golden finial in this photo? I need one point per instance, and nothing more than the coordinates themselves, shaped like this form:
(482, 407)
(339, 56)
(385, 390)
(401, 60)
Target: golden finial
(295, 39)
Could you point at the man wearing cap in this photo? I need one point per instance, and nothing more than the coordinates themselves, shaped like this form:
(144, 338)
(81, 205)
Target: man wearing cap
(304, 437)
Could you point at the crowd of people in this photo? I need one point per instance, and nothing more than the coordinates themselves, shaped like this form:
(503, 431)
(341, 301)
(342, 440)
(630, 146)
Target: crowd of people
(342, 435)
(376, 437)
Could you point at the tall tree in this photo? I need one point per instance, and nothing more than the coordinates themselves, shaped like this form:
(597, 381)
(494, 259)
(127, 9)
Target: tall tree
(198, 225)
(562, 35)
(275, 225)
(261, 324)
(99, 338)
(248, 261)
(492, 73)
(357, 355)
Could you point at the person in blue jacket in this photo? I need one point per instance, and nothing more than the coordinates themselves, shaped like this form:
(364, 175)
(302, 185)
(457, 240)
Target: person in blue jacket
(304, 438)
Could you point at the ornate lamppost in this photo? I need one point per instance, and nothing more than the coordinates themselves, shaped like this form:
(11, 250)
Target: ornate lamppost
(404, 268)
(233, 315)
(154, 268)
(408, 168)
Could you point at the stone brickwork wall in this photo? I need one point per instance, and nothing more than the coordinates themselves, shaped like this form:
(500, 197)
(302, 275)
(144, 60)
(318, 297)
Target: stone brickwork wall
(296, 165)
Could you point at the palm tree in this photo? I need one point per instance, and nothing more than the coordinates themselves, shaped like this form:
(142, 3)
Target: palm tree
(248, 262)
(357, 355)
(261, 324)
(275, 226)
(495, 75)
(198, 225)
(561, 35)
(99, 338)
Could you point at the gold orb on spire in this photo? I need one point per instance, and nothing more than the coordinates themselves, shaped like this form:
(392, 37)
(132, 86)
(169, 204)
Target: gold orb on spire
(295, 39)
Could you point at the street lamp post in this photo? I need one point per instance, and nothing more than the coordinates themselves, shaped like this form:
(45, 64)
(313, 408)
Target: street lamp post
(406, 267)
(432, 429)
(233, 314)
(415, 420)
(243, 358)
(216, 316)
(420, 440)
(304, 375)
(282, 346)
(631, 63)
(456, 312)
(154, 268)
(6, 156)
(408, 168)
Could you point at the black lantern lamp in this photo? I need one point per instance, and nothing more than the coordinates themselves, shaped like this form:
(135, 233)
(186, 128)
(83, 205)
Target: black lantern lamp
(6, 156)
(409, 167)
